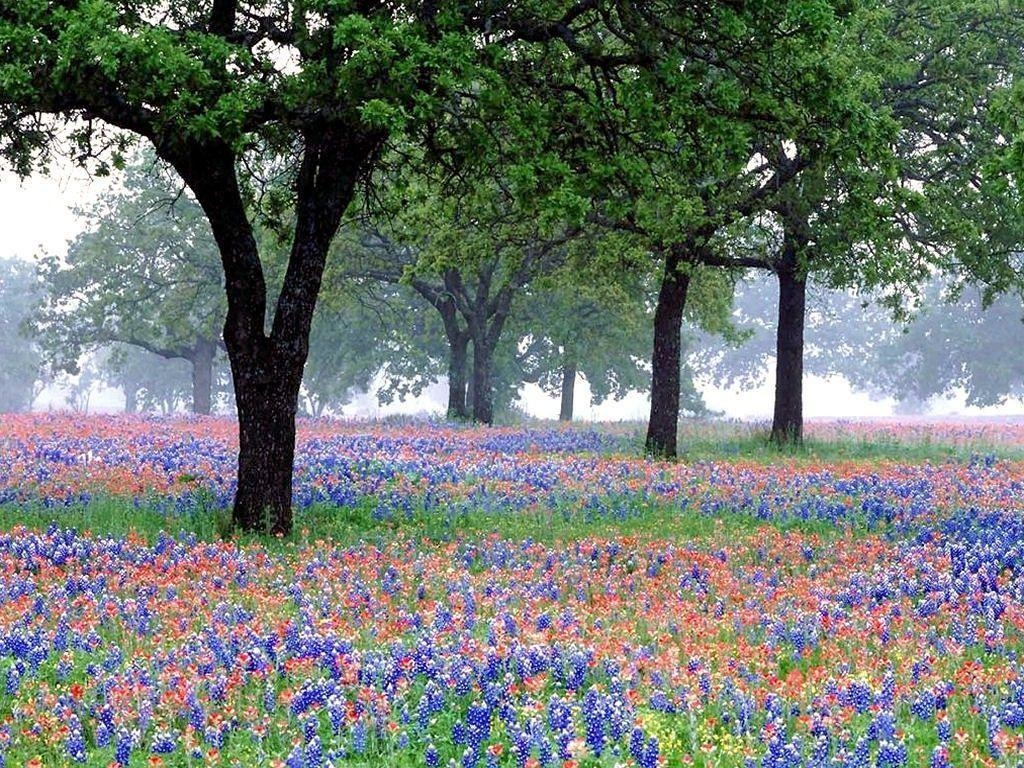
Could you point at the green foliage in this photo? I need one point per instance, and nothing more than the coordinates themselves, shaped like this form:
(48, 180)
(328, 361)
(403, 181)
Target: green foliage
(369, 330)
(953, 342)
(595, 325)
(944, 70)
(145, 272)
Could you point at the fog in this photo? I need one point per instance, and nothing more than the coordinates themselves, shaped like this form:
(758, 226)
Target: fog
(40, 217)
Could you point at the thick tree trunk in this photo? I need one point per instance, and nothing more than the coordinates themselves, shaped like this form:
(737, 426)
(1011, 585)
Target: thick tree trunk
(482, 384)
(458, 356)
(458, 342)
(787, 420)
(663, 425)
(568, 391)
(267, 396)
(202, 375)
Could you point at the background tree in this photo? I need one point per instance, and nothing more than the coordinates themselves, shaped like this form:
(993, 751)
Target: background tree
(366, 334)
(149, 382)
(145, 273)
(471, 258)
(843, 334)
(21, 370)
(579, 323)
(951, 341)
(956, 341)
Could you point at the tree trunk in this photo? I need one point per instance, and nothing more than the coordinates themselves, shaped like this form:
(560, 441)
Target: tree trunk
(787, 420)
(470, 390)
(482, 384)
(202, 375)
(458, 355)
(663, 425)
(267, 396)
(568, 391)
(458, 342)
(131, 397)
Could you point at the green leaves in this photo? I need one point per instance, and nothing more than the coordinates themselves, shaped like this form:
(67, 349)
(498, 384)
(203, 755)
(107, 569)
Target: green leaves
(145, 273)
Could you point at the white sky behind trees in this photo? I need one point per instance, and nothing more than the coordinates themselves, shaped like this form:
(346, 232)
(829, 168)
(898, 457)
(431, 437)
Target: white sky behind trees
(37, 217)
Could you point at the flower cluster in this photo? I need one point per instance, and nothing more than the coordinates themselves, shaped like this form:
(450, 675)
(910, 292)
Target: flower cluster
(887, 633)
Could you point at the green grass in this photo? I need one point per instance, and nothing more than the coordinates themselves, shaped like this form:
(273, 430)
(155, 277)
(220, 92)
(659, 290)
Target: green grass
(347, 526)
(732, 442)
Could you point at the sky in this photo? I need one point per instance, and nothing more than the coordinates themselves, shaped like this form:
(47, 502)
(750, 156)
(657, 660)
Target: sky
(37, 216)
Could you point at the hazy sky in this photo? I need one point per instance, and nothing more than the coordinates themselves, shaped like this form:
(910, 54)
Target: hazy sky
(37, 216)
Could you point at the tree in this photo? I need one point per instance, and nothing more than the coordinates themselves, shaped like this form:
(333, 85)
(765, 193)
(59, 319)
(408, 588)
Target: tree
(470, 258)
(362, 331)
(941, 69)
(576, 323)
(956, 340)
(145, 273)
(884, 223)
(149, 382)
(21, 372)
(886, 186)
(318, 88)
(691, 132)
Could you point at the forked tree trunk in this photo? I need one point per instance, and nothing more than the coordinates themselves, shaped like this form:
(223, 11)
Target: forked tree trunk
(568, 391)
(788, 416)
(202, 375)
(663, 425)
(267, 367)
(458, 339)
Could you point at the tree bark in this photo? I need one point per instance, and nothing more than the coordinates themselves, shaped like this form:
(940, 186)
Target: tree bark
(266, 394)
(470, 389)
(202, 375)
(663, 424)
(458, 354)
(458, 357)
(131, 397)
(787, 419)
(483, 386)
(485, 331)
(568, 391)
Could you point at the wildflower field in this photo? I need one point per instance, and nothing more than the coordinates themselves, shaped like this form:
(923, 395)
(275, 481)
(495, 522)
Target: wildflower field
(532, 597)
